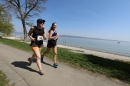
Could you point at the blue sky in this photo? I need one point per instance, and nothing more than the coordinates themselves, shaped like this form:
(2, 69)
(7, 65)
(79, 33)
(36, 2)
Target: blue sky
(106, 19)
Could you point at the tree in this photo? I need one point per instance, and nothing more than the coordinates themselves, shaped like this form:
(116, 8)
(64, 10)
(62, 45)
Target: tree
(5, 26)
(24, 10)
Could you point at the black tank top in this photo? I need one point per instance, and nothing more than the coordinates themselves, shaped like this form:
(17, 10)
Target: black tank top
(37, 32)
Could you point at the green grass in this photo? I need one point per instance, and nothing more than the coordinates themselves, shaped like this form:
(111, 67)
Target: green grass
(3, 79)
(16, 44)
(111, 68)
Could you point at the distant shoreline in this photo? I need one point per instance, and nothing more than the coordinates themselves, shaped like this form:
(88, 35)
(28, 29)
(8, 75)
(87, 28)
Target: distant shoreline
(96, 53)
(92, 38)
(16, 33)
(13, 37)
(85, 51)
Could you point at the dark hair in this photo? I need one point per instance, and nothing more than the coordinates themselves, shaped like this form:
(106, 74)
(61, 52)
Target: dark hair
(52, 27)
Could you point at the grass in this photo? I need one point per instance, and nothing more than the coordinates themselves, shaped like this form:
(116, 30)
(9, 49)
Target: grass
(111, 68)
(3, 79)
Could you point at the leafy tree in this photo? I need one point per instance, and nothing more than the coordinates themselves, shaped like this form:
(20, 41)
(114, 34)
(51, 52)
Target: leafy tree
(24, 10)
(5, 26)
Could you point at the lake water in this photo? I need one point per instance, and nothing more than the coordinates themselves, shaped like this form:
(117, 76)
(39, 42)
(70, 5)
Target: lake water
(109, 46)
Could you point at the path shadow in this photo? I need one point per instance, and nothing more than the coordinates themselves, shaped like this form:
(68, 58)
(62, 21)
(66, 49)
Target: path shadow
(24, 65)
(48, 64)
(34, 60)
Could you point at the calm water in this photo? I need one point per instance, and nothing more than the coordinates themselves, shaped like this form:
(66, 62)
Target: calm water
(115, 47)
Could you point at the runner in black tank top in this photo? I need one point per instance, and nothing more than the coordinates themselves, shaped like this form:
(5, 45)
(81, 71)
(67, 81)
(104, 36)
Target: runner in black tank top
(37, 34)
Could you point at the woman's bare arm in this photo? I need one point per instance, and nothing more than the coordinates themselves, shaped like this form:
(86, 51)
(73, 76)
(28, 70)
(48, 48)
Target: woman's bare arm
(52, 37)
(44, 35)
(30, 33)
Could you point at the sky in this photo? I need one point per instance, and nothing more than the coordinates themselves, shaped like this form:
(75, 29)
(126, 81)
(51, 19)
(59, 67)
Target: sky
(105, 19)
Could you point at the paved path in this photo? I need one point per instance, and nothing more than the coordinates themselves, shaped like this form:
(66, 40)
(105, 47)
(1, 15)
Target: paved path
(13, 62)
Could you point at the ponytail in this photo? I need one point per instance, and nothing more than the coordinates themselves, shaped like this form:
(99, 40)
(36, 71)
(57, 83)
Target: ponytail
(51, 27)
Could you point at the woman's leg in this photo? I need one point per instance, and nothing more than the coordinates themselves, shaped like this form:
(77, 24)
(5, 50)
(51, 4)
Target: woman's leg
(40, 48)
(47, 50)
(34, 55)
(38, 56)
(55, 54)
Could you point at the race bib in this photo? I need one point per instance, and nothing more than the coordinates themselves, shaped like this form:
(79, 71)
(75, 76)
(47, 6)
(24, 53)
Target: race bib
(39, 38)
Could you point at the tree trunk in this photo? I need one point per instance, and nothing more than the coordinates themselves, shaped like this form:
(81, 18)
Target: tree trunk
(24, 30)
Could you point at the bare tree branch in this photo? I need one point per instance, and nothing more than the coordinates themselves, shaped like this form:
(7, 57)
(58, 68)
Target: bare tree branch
(31, 8)
(12, 3)
(24, 10)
